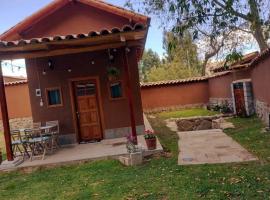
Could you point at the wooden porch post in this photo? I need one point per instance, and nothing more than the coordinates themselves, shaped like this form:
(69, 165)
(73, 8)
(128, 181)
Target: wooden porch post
(129, 96)
(5, 119)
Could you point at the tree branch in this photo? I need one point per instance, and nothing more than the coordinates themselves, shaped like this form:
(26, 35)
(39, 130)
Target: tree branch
(233, 11)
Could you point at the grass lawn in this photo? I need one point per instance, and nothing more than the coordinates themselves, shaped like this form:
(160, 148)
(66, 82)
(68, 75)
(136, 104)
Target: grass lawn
(187, 113)
(158, 178)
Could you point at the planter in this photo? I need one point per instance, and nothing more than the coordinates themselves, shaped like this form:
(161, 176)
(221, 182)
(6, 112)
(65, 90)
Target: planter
(151, 143)
(112, 78)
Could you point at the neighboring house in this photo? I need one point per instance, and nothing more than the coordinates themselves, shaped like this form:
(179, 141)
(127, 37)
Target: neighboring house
(260, 77)
(69, 47)
(18, 102)
(8, 79)
(244, 85)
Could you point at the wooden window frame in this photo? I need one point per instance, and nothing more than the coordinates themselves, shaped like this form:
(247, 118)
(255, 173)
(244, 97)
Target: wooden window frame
(123, 90)
(47, 97)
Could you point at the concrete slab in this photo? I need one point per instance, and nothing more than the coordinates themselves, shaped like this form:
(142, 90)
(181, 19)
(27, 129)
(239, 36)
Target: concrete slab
(111, 148)
(210, 146)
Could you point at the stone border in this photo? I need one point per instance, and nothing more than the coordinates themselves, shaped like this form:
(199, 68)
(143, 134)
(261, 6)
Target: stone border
(202, 117)
(262, 111)
(174, 108)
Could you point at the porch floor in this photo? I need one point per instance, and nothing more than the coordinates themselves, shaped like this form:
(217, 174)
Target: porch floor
(106, 149)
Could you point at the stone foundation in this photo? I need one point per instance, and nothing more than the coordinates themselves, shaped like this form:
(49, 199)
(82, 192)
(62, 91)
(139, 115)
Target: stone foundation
(67, 139)
(173, 108)
(122, 132)
(221, 101)
(18, 123)
(262, 111)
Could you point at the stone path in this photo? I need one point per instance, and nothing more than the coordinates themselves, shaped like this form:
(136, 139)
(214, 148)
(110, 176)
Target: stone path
(208, 147)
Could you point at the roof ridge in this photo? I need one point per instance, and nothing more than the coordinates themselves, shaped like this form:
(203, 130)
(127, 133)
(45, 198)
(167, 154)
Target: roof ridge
(12, 83)
(57, 4)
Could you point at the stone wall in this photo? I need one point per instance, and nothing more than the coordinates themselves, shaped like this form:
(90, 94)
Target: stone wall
(263, 111)
(18, 123)
(221, 101)
(173, 108)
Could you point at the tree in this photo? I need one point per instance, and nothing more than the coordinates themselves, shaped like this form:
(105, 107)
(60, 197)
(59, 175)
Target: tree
(182, 51)
(181, 59)
(216, 18)
(149, 60)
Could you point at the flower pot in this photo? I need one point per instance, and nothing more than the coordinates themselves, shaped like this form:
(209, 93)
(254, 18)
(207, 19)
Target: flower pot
(151, 143)
(112, 78)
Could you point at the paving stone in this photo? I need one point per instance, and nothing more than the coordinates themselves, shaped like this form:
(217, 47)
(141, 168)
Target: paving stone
(210, 146)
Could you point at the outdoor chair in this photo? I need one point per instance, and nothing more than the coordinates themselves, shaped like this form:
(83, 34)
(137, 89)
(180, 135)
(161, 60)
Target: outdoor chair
(18, 143)
(39, 143)
(54, 132)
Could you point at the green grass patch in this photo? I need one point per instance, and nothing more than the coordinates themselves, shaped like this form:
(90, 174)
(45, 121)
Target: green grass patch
(158, 179)
(249, 133)
(187, 113)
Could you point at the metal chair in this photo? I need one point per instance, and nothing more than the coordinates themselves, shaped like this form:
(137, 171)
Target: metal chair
(54, 131)
(16, 142)
(39, 143)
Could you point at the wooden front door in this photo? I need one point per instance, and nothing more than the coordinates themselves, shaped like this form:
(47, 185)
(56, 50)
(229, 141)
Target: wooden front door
(87, 110)
(239, 99)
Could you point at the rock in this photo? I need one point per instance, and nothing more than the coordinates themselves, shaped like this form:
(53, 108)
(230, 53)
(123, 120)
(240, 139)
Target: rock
(204, 125)
(185, 125)
(226, 125)
(133, 159)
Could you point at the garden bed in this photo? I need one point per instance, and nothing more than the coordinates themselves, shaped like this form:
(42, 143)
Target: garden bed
(199, 123)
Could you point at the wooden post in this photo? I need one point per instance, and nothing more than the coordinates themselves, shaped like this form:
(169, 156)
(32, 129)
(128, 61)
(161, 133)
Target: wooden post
(5, 118)
(129, 96)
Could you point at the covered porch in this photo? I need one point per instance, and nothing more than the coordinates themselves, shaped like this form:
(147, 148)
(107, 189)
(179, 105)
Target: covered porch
(125, 39)
(74, 154)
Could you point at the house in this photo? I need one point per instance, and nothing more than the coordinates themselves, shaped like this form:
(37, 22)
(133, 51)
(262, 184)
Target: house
(244, 85)
(10, 79)
(18, 102)
(72, 47)
(260, 76)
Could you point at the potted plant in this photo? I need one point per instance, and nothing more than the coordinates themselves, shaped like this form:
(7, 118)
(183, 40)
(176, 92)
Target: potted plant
(150, 139)
(113, 73)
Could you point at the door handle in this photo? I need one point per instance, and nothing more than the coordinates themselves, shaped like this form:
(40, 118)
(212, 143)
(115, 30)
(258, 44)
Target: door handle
(78, 115)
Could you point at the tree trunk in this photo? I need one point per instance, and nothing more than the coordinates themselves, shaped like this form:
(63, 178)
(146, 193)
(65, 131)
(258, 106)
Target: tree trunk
(256, 25)
(258, 35)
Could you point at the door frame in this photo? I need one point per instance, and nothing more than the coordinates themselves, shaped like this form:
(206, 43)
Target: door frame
(73, 104)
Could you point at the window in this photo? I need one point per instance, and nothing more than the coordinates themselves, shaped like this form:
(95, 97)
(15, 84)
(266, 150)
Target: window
(86, 89)
(116, 90)
(54, 97)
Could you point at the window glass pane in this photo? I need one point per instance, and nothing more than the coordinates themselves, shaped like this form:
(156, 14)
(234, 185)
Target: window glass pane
(116, 90)
(54, 97)
(86, 89)
(90, 89)
(80, 90)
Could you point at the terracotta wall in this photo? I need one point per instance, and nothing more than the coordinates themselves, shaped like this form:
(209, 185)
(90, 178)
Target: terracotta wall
(18, 101)
(220, 87)
(174, 95)
(116, 112)
(78, 18)
(261, 81)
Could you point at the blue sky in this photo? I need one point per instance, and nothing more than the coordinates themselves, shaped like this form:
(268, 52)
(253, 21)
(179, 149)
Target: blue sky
(13, 11)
